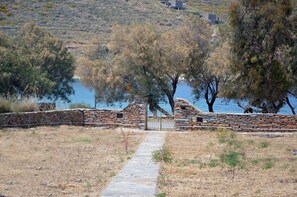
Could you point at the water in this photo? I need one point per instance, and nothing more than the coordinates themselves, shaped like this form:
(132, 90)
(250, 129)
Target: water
(85, 95)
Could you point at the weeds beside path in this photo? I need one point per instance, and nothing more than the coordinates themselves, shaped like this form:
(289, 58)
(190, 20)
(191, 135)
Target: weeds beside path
(221, 163)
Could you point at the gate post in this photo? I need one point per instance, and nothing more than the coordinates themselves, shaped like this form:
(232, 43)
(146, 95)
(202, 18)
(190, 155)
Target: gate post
(145, 115)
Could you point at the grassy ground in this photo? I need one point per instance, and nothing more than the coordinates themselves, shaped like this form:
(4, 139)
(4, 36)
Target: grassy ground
(206, 163)
(61, 161)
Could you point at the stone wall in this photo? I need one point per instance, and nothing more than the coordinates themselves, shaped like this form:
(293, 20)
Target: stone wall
(131, 116)
(188, 117)
(29, 119)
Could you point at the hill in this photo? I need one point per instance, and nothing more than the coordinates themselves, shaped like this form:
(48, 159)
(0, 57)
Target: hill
(219, 7)
(78, 20)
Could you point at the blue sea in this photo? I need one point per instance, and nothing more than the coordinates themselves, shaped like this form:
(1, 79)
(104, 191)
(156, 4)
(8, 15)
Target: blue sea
(85, 95)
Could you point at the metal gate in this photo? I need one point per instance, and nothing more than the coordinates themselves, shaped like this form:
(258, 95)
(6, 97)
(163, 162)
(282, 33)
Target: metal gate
(159, 121)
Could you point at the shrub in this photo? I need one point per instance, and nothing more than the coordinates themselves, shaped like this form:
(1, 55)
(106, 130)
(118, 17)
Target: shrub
(225, 135)
(4, 8)
(213, 163)
(263, 144)
(161, 195)
(4, 106)
(25, 105)
(49, 5)
(233, 159)
(268, 165)
(164, 154)
(79, 105)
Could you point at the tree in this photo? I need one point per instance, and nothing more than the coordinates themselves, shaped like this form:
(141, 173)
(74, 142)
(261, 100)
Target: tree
(123, 62)
(262, 43)
(212, 71)
(35, 63)
(149, 61)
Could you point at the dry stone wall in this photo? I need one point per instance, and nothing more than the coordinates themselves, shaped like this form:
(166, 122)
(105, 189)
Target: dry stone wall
(188, 117)
(132, 116)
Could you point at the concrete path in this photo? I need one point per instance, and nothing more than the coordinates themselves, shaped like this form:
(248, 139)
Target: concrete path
(140, 175)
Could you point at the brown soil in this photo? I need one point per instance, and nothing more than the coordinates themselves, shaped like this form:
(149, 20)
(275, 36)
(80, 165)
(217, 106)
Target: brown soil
(268, 165)
(61, 161)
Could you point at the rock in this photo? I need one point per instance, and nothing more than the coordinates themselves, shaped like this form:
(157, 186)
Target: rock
(2, 16)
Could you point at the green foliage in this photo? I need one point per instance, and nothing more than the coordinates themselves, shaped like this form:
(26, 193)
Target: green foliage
(262, 43)
(213, 163)
(147, 61)
(4, 8)
(263, 144)
(49, 5)
(268, 165)
(35, 64)
(231, 158)
(255, 161)
(44, 13)
(161, 195)
(79, 105)
(162, 155)
(233, 155)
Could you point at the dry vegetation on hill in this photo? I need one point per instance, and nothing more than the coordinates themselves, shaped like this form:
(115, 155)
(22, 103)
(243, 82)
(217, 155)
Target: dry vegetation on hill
(78, 20)
(219, 7)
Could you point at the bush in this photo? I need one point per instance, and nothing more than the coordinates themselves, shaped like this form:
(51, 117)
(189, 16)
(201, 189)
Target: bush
(231, 158)
(4, 8)
(225, 135)
(26, 105)
(213, 163)
(4, 106)
(163, 154)
(23, 106)
(263, 144)
(79, 105)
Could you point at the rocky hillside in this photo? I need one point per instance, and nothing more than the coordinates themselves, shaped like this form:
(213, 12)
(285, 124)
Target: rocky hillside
(78, 20)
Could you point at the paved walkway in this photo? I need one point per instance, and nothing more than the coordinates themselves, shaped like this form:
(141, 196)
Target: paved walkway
(140, 175)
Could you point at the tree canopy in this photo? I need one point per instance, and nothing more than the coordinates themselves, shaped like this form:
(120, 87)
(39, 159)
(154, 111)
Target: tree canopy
(212, 71)
(35, 64)
(262, 44)
(147, 60)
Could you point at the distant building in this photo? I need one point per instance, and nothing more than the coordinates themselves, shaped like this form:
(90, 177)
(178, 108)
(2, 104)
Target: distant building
(177, 4)
(211, 18)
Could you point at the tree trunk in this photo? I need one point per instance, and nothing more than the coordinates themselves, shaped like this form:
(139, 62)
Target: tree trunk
(171, 103)
(210, 107)
(290, 105)
(163, 111)
(212, 100)
(170, 95)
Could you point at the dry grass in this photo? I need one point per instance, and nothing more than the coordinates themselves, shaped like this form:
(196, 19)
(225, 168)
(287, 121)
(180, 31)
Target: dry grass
(61, 161)
(268, 166)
